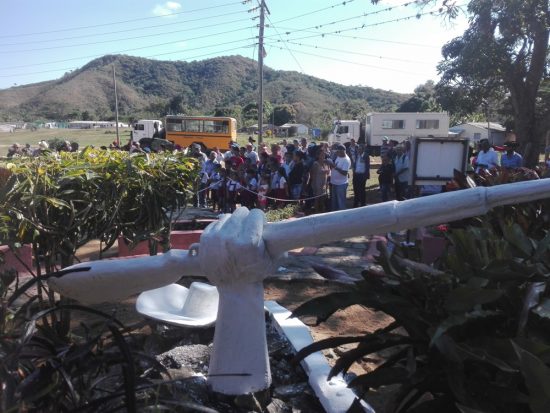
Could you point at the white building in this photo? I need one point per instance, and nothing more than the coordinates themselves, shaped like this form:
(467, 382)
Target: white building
(475, 131)
(298, 127)
(91, 124)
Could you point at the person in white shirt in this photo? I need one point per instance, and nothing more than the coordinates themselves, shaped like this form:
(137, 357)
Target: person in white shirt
(339, 178)
(251, 154)
(487, 157)
(361, 172)
(401, 164)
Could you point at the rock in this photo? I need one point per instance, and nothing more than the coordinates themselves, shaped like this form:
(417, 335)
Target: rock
(278, 406)
(289, 391)
(195, 356)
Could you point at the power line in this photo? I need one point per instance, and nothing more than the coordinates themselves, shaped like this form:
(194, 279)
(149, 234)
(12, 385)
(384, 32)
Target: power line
(115, 40)
(168, 43)
(99, 55)
(357, 16)
(120, 31)
(354, 63)
(343, 3)
(281, 39)
(121, 21)
(75, 68)
(358, 53)
(317, 34)
(415, 16)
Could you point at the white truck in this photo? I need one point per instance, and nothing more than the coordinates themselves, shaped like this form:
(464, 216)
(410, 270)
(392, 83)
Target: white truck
(397, 126)
(145, 128)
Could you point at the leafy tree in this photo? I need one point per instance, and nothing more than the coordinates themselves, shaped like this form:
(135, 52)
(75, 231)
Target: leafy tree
(250, 112)
(354, 109)
(283, 114)
(234, 111)
(504, 51)
(423, 100)
(86, 115)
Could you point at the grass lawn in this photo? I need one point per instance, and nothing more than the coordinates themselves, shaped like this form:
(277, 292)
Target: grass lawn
(84, 137)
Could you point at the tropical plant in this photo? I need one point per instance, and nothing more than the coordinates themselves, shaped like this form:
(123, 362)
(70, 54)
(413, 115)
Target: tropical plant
(59, 203)
(469, 336)
(100, 366)
(56, 204)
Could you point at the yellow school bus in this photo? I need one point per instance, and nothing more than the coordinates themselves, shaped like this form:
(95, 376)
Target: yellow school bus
(208, 131)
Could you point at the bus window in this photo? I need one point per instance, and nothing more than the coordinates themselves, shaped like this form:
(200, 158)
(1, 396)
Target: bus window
(173, 125)
(209, 126)
(192, 125)
(221, 126)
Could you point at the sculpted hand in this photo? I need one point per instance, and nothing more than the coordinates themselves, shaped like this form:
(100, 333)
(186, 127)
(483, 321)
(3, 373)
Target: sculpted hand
(232, 250)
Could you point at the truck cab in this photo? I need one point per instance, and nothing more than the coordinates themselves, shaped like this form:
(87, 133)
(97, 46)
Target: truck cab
(344, 131)
(145, 128)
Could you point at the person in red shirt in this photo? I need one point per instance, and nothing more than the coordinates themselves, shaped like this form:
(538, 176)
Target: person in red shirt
(236, 160)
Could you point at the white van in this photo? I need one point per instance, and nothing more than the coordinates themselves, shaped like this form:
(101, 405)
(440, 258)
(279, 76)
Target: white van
(145, 128)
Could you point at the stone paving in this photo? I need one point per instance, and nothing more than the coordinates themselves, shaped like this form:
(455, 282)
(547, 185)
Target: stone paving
(351, 255)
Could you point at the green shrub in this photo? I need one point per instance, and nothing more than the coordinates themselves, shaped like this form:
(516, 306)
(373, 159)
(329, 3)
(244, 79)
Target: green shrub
(468, 336)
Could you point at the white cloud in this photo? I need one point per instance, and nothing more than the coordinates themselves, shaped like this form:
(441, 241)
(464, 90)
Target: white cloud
(166, 8)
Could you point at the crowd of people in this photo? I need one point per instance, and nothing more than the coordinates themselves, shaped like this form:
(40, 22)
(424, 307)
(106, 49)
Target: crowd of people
(313, 175)
(42, 148)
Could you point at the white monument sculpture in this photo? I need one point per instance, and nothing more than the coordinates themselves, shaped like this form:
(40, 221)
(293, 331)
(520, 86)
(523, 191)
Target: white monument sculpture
(237, 252)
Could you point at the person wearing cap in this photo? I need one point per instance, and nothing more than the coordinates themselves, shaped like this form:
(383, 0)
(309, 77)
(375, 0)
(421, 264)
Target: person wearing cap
(487, 158)
(511, 159)
(339, 178)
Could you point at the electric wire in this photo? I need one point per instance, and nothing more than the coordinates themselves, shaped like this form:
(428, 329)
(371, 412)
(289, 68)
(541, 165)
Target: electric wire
(125, 30)
(355, 63)
(154, 55)
(281, 38)
(75, 68)
(119, 40)
(397, 59)
(317, 34)
(122, 21)
(292, 30)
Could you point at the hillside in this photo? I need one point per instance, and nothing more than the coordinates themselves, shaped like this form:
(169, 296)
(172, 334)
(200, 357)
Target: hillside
(152, 88)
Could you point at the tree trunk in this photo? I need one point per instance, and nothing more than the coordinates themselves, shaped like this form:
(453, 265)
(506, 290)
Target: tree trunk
(529, 140)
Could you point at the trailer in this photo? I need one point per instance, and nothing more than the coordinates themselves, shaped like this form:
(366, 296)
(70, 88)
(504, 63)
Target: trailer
(397, 126)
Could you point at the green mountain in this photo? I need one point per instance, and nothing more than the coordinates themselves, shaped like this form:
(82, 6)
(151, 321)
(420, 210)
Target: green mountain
(152, 88)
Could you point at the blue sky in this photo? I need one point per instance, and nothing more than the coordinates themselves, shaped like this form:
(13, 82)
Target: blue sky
(351, 42)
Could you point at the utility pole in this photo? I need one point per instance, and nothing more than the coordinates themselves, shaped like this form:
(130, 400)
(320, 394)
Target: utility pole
(261, 71)
(116, 108)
